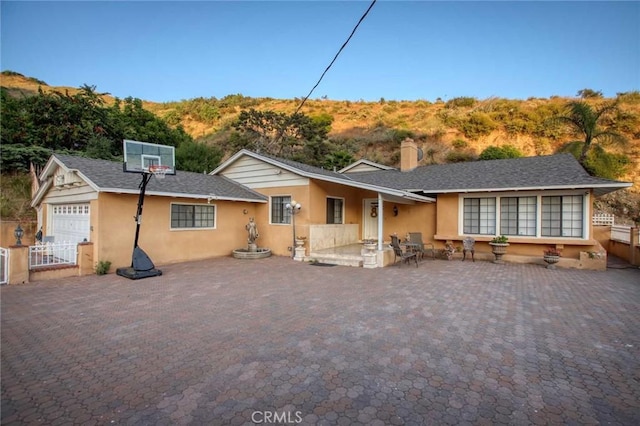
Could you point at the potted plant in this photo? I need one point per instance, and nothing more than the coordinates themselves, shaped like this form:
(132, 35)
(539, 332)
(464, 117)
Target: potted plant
(551, 256)
(499, 247)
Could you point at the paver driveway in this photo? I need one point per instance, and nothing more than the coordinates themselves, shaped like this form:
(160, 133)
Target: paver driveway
(229, 341)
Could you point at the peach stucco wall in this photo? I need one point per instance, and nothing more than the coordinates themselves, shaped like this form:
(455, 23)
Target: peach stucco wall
(113, 230)
(419, 217)
(447, 230)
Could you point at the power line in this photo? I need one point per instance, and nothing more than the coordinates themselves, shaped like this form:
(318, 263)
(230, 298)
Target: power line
(336, 57)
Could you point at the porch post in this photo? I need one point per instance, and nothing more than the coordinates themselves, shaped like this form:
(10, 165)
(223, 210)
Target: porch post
(380, 221)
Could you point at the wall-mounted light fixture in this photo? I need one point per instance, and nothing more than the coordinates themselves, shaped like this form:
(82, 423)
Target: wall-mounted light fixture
(18, 233)
(395, 210)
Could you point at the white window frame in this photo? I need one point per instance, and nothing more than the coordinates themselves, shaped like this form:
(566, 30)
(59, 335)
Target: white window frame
(286, 213)
(342, 209)
(586, 204)
(204, 228)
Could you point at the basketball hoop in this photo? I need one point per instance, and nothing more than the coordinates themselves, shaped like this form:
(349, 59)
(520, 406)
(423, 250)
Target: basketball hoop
(159, 171)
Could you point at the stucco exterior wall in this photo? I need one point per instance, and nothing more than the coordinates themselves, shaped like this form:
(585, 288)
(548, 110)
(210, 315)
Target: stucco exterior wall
(114, 230)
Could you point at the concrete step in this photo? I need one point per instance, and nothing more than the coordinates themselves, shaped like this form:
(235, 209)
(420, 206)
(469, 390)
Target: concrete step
(337, 259)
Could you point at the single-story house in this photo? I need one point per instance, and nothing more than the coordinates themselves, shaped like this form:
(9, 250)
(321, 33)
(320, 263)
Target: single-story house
(537, 202)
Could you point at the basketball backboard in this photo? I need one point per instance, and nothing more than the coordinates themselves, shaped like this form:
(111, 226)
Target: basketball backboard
(138, 156)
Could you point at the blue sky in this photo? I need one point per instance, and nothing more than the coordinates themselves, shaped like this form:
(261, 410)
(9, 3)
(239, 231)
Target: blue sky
(170, 51)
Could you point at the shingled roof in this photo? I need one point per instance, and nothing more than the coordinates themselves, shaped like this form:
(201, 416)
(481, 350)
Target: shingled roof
(560, 171)
(108, 176)
(313, 172)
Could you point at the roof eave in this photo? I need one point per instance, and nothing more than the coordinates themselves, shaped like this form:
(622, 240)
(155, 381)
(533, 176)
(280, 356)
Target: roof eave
(609, 187)
(208, 197)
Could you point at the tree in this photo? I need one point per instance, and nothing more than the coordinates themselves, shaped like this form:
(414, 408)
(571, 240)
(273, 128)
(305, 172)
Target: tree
(197, 157)
(599, 162)
(281, 134)
(500, 152)
(588, 121)
(588, 93)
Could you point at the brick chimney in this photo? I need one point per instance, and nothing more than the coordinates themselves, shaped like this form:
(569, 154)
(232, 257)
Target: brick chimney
(408, 155)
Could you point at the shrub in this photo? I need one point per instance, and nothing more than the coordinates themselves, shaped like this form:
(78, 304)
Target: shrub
(463, 101)
(459, 144)
(500, 152)
(477, 124)
(459, 157)
(102, 267)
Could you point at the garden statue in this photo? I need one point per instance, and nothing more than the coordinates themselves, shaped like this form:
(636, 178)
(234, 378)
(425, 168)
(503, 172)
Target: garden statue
(253, 231)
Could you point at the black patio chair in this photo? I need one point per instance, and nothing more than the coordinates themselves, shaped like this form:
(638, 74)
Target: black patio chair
(416, 237)
(403, 255)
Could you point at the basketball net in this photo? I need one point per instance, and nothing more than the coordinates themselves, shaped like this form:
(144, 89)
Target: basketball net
(159, 171)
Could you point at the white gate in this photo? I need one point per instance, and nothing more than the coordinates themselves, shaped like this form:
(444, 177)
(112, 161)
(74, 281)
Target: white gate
(4, 265)
(52, 254)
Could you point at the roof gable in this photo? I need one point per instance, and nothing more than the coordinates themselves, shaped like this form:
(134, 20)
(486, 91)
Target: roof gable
(364, 166)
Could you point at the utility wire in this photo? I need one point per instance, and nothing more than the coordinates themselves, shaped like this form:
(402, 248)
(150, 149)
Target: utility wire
(335, 57)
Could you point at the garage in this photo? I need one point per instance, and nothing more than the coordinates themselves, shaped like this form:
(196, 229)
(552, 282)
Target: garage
(70, 223)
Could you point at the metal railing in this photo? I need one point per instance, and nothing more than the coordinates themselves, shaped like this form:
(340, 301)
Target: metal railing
(605, 219)
(53, 254)
(4, 265)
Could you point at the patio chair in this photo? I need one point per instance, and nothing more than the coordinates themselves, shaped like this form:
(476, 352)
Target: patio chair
(416, 237)
(404, 256)
(468, 245)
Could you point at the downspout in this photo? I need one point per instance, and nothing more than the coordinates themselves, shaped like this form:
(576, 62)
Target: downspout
(380, 220)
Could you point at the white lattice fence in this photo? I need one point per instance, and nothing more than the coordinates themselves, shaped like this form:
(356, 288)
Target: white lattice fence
(604, 219)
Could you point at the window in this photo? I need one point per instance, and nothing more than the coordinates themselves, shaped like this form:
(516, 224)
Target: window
(334, 210)
(562, 216)
(279, 213)
(479, 216)
(518, 216)
(192, 216)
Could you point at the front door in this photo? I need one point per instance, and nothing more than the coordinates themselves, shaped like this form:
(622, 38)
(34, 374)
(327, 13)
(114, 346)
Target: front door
(370, 219)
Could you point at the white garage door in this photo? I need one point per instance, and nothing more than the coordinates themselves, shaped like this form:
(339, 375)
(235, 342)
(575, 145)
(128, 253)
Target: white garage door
(70, 223)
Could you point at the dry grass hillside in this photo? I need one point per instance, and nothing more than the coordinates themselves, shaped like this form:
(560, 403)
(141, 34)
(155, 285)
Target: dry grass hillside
(456, 129)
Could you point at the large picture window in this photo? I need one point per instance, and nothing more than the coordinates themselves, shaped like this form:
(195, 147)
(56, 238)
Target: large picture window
(518, 216)
(562, 216)
(526, 216)
(335, 207)
(279, 213)
(188, 216)
(480, 216)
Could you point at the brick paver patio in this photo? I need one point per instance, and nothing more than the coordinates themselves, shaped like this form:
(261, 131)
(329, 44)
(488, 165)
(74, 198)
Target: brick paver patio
(228, 341)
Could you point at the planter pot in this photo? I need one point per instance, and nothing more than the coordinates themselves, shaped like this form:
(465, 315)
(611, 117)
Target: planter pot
(299, 243)
(551, 261)
(499, 250)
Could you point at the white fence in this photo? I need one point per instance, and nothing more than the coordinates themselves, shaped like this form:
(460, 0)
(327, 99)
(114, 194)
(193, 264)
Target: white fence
(4, 265)
(605, 219)
(621, 233)
(52, 254)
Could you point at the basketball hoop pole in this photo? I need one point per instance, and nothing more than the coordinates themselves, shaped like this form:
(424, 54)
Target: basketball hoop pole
(141, 264)
(146, 177)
